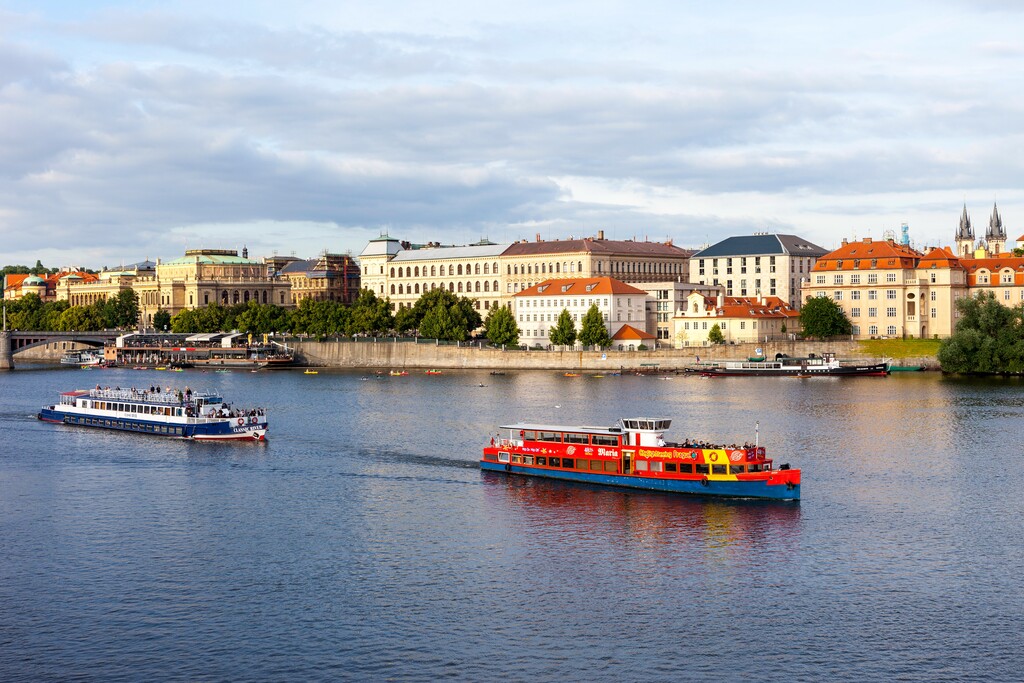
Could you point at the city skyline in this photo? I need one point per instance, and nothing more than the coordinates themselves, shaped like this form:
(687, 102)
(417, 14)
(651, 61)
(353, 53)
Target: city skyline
(134, 130)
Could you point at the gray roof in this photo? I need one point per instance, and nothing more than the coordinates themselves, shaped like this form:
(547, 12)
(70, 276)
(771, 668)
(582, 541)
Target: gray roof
(298, 266)
(757, 245)
(439, 253)
(382, 246)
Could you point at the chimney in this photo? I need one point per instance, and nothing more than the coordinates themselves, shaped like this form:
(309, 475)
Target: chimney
(600, 234)
(721, 300)
(867, 240)
(845, 242)
(538, 237)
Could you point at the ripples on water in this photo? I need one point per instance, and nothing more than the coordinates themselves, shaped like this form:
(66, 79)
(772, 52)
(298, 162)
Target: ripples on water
(363, 543)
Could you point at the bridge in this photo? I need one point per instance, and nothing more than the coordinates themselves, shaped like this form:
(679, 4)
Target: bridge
(17, 341)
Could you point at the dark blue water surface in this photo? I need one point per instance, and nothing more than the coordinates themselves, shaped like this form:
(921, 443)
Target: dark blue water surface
(363, 543)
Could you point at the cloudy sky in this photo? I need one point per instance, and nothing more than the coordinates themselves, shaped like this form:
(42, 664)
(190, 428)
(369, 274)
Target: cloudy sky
(138, 129)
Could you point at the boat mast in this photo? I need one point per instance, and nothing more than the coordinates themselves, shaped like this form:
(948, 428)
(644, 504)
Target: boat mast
(757, 433)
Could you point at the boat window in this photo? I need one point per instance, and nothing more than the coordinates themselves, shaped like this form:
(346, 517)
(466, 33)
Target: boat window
(718, 469)
(656, 466)
(490, 456)
(611, 466)
(529, 435)
(605, 440)
(502, 457)
(670, 467)
(517, 458)
(528, 459)
(553, 437)
(640, 466)
(555, 462)
(686, 467)
(754, 468)
(575, 438)
(664, 424)
(737, 469)
(542, 460)
(566, 462)
(703, 468)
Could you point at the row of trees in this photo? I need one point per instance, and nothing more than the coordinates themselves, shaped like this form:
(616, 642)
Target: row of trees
(31, 313)
(37, 269)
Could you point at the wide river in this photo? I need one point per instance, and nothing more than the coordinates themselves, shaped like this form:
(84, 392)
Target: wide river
(361, 542)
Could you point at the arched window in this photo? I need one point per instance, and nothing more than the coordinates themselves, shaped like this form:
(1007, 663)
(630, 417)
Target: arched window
(515, 270)
(460, 287)
(558, 268)
(460, 269)
(433, 286)
(433, 270)
(579, 267)
(476, 269)
(392, 289)
(417, 271)
(486, 269)
(451, 286)
(487, 285)
(392, 272)
(236, 296)
(417, 287)
(264, 296)
(224, 297)
(246, 296)
(451, 269)
(495, 285)
(400, 290)
(478, 285)
(282, 297)
(529, 269)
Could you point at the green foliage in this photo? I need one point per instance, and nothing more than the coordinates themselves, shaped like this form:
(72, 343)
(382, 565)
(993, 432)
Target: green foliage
(715, 335)
(1018, 251)
(161, 319)
(37, 269)
(989, 338)
(82, 319)
(370, 315)
(262, 318)
(122, 311)
(501, 327)
(564, 331)
(592, 329)
(321, 318)
(461, 314)
(212, 318)
(822, 318)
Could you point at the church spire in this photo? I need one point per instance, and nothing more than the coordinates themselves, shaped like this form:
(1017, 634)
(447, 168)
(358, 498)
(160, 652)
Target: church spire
(996, 231)
(965, 231)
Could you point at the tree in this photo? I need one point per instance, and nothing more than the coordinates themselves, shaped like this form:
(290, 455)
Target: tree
(989, 338)
(501, 327)
(122, 310)
(81, 319)
(821, 317)
(461, 310)
(370, 315)
(161, 319)
(564, 331)
(262, 318)
(715, 335)
(592, 329)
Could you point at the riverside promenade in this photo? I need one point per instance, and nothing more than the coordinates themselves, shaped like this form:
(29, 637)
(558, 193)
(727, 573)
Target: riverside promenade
(386, 353)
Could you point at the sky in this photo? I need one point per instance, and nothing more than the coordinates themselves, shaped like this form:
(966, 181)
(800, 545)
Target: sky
(134, 130)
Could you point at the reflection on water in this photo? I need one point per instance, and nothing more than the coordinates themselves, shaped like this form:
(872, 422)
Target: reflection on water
(362, 541)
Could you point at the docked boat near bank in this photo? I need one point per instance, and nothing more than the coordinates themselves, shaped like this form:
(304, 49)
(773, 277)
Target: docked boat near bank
(214, 350)
(825, 365)
(86, 358)
(181, 414)
(634, 454)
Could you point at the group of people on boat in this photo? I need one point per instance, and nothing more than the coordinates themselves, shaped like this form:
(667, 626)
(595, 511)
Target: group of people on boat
(714, 447)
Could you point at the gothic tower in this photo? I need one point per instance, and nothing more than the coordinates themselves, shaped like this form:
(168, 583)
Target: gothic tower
(965, 236)
(996, 234)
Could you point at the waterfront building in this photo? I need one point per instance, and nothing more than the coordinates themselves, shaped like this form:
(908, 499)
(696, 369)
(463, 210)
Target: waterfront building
(329, 277)
(404, 272)
(107, 284)
(524, 264)
(762, 264)
(46, 286)
(537, 308)
(494, 273)
(740, 319)
(664, 299)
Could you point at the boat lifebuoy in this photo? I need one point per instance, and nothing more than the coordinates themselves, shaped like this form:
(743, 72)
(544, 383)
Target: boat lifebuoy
(241, 421)
(252, 420)
(714, 458)
(704, 481)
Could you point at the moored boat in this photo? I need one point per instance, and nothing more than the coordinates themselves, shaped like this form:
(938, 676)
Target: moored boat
(182, 414)
(825, 365)
(634, 454)
(86, 358)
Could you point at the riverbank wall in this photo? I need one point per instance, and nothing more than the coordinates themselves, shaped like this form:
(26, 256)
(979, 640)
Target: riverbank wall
(384, 354)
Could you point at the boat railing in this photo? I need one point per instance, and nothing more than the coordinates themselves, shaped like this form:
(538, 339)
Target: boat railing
(168, 397)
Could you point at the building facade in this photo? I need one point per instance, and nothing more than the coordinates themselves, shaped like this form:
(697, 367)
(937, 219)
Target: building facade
(536, 309)
(329, 277)
(757, 265)
(740, 319)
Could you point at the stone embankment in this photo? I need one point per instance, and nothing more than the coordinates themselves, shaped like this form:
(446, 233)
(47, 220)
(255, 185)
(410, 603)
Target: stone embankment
(382, 354)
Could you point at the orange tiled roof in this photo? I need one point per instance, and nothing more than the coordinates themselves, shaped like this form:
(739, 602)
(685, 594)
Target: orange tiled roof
(630, 333)
(750, 307)
(859, 255)
(940, 258)
(581, 287)
(14, 280)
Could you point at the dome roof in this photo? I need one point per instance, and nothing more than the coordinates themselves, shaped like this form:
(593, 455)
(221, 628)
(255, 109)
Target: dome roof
(33, 281)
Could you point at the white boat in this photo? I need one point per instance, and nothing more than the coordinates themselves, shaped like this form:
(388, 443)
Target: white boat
(86, 358)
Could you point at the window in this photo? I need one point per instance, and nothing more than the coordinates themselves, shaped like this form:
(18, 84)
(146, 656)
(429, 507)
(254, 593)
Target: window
(819, 280)
(891, 330)
(890, 312)
(890, 277)
(703, 468)
(933, 295)
(872, 277)
(872, 294)
(855, 278)
(855, 295)
(837, 295)
(890, 294)
(935, 313)
(839, 278)
(872, 312)
(873, 330)
(718, 469)
(854, 312)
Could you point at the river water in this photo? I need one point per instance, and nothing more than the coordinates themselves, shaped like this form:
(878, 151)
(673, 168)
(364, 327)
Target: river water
(361, 542)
